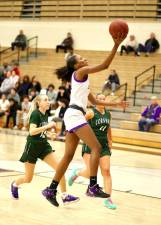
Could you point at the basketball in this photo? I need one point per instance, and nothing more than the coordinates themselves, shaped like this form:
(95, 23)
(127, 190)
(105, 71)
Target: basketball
(118, 26)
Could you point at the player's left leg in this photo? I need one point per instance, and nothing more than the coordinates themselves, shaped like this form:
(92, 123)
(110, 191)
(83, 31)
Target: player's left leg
(27, 178)
(105, 170)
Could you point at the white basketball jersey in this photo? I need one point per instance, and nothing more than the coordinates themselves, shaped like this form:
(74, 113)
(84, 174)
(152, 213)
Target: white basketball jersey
(79, 92)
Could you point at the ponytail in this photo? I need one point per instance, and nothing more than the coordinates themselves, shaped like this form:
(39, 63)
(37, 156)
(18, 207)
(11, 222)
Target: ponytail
(65, 73)
(34, 105)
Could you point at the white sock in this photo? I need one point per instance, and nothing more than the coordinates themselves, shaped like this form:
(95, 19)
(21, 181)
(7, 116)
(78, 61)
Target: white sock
(14, 184)
(63, 194)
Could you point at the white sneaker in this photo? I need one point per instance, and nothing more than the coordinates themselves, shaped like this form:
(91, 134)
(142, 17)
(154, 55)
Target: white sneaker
(112, 93)
(24, 129)
(15, 128)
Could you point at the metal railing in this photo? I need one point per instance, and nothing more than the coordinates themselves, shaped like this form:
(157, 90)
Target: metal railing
(141, 82)
(32, 45)
(7, 53)
(122, 93)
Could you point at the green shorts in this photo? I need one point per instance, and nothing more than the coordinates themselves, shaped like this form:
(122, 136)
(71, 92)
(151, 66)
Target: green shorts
(104, 151)
(35, 150)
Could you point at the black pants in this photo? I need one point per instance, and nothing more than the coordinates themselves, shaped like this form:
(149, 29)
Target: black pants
(63, 47)
(2, 114)
(126, 49)
(21, 45)
(13, 115)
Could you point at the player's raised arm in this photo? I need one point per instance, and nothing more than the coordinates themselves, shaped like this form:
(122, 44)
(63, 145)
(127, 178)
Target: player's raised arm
(105, 64)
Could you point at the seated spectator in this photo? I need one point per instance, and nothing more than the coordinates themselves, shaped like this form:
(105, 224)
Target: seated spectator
(32, 94)
(3, 71)
(131, 45)
(151, 45)
(15, 68)
(62, 93)
(150, 116)
(67, 43)
(112, 82)
(59, 114)
(20, 41)
(52, 94)
(24, 86)
(14, 78)
(11, 112)
(7, 84)
(22, 114)
(68, 88)
(35, 84)
(14, 95)
(4, 105)
(69, 54)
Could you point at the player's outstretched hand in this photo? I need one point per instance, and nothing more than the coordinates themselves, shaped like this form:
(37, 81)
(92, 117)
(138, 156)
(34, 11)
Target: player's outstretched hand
(123, 104)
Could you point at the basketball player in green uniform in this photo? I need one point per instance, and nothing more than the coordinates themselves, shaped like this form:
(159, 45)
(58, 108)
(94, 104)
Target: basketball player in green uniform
(37, 147)
(99, 120)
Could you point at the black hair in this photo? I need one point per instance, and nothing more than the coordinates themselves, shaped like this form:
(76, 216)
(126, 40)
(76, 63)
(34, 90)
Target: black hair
(11, 100)
(62, 88)
(25, 96)
(64, 73)
(51, 85)
(64, 100)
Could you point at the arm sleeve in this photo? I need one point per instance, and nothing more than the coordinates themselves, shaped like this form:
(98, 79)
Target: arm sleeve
(145, 112)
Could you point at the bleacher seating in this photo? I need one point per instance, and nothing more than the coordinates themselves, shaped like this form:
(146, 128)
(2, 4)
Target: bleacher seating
(132, 125)
(132, 137)
(80, 9)
(126, 66)
(10, 9)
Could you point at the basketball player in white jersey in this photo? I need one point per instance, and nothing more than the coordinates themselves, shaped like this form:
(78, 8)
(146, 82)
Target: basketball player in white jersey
(77, 70)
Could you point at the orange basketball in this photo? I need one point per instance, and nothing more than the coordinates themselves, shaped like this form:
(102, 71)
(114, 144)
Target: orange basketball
(118, 26)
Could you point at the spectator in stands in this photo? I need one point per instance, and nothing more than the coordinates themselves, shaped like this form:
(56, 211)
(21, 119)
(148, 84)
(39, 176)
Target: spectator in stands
(151, 115)
(69, 54)
(14, 78)
(62, 94)
(52, 94)
(24, 86)
(112, 82)
(22, 114)
(68, 88)
(32, 94)
(15, 68)
(3, 71)
(4, 105)
(131, 45)
(59, 114)
(14, 95)
(151, 45)
(7, 84)
(35, 84)
(20, 41)
(11, 113)
(67, 43)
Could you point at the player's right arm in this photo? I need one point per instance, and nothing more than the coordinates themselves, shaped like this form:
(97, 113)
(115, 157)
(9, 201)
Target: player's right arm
(80, 73)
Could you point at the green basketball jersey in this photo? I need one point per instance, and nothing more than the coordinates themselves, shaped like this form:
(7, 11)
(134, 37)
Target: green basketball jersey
(100, 124)
(40, 120)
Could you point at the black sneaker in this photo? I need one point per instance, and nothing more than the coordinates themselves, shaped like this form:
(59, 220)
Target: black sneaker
(50, 195)
(96, 191)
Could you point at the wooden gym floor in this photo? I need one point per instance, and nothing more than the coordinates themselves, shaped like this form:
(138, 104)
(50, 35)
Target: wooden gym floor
(140, 172)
